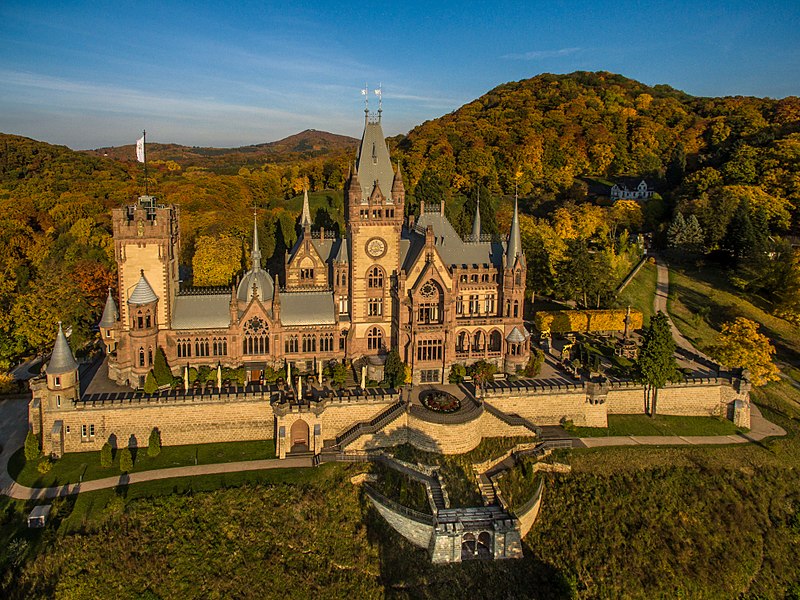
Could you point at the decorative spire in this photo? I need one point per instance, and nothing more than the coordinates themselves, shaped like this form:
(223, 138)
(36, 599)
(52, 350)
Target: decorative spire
(255, 255)
(476, 224)
(398, 188)
(514, 248)
(61, 361)
(305, 219)
(110, 313)
(143, 293)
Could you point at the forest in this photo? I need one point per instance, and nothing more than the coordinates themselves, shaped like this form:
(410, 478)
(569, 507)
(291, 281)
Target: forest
(726, 172)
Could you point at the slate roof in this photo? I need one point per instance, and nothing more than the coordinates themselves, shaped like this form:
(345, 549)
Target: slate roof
(142, 293)
(515, 336)
(61, 360)
(210, 311)
(452, 249)
(307, 308)
(263, 282)
(110, 313)
(373, 163)
(328, 249)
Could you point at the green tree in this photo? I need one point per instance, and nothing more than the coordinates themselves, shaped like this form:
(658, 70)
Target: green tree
(482, 371)
(154, 443)
(741, 345)
(216, 260)
(125, 460)
(32, 446)
(394, 370)
(150, 385)
(106, 456)
(339, 374)
(656, 363)
(535, 362)
(457, 372)
(161, 370)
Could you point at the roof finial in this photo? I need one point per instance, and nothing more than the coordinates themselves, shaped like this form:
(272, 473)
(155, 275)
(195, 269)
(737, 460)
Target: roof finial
(365, 93)
(514, 248)
(379, 94)
(305, 218)
(476, 224)
(255, 256)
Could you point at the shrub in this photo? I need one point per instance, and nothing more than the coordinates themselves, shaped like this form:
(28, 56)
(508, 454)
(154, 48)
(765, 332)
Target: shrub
(204, 374)
(457, 372)
(44, 466)
(32, 447)
(161, 370)
(233, 375)
(482, 371)
(561, 321)
(395, 369)
(106, 455)
(271, 375)
(7, 383)
(192, 375)
(125, 460)
(154, 444)
(150, 385)
(534, 366)
(339, 374)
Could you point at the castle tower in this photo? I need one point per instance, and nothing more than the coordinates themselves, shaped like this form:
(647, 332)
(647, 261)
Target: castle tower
(108, 323)
(375, 202)
(143, 308)
(146, 239)
(517, 338)
(62, 373)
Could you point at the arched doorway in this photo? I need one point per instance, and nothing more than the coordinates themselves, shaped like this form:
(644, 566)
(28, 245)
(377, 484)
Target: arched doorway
(484, 547)
(298, 436)
(468, 546)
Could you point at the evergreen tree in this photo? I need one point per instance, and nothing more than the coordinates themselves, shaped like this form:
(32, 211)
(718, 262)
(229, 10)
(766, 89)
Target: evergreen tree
(106, 456)
(125, 460)
(741, 238)
(693, 236)
(676, 234)
(150, 385)
(161, 370)
(656, 363)
(32, 447)
(395, 370)
(154, 443)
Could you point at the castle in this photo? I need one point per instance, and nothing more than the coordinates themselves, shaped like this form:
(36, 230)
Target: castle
(392, 282)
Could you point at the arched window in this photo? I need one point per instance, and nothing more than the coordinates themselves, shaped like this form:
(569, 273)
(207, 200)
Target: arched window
(147, 320)
(256, 337)
(150, 357)
(462, 345)
(375, 278)
(309, 343)
(518, 278)
(516, 308)
(508, 308)
(139, 320)
(141, 357)
(375, 339)
(478, 341)
(495, 341)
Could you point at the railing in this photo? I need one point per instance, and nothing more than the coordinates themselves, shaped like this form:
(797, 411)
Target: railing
(397, 507)
(371, 426)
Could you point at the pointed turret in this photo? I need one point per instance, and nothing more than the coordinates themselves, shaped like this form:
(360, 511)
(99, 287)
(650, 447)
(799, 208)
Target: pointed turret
(61, 361)
(373, 164)
(110, 312)
(143, 292)
(255, 255)
(514, 247)
(398, 188)
(305, 219)
(476, 224)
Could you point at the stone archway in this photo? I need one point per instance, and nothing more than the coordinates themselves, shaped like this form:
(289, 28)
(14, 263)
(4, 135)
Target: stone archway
(468, 544)
(298, 436)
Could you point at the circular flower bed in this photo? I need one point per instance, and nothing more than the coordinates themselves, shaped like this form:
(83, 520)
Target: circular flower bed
(440, 402)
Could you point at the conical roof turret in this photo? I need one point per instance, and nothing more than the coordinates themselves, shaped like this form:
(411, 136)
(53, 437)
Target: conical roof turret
(514, 247)
(61, 360)
(110, 312)
(142, 293)
(398, 188)
(305, 219)
(476, 224)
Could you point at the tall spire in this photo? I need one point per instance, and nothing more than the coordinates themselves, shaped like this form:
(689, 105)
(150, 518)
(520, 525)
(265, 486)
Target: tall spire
(255, 256)
(110, 313)
(476, 224)
(514, 248)
(61, 361)
(306, 217)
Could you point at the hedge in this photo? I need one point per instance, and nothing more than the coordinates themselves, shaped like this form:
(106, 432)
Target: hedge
(585, 321)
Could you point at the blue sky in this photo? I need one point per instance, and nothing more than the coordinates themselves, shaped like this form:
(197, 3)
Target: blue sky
(92, 74)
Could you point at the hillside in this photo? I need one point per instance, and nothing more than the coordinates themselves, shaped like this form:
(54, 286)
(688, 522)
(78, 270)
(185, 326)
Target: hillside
(301, 146)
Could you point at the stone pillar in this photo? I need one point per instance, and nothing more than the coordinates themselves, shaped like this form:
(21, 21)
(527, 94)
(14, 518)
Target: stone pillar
(316, 442)
(281, 442)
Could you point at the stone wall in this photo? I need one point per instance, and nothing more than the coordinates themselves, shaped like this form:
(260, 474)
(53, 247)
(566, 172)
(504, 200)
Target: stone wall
(416, 531)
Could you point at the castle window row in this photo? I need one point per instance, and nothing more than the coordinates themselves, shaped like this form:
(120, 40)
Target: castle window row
(476, 343)
(430, 350)
(476, 304)
(475, 278)
(145, 360)
(308, 343)
(376, 213)
(202, 347)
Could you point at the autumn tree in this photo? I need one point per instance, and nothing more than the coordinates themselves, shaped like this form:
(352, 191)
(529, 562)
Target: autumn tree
(656, 365)
(741, 345)
(216, 260)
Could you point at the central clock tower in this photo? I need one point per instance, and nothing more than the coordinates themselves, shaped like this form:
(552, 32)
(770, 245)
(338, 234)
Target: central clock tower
(375, 204)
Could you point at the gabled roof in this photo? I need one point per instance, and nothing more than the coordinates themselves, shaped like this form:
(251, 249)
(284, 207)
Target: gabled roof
(61, 360)
(142, 293)
(110, 312)
(452, 249)
(307, 308)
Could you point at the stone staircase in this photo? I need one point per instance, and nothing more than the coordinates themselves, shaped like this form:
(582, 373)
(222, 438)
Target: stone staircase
(364, 428)
(487, 490)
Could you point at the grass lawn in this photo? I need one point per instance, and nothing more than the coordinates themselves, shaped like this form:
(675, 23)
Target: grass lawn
(701, 300)
(641, 291)
(74, 465)
(642, 425)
